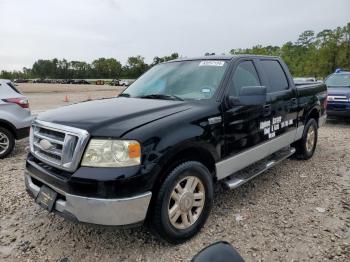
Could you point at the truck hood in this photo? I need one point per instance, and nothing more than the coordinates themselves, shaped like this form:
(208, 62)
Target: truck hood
(113, 117)
(339, 91)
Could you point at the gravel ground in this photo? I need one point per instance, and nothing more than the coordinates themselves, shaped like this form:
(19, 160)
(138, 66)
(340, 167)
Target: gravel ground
(297, 211)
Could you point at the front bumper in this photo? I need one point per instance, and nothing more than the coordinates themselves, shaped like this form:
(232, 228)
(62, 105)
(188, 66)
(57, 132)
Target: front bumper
(338, 113)
(22, 133)
(338, 109)
(110, 212)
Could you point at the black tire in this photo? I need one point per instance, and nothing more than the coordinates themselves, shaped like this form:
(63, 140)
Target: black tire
(303, 151)
(160, 223)
(6, 135)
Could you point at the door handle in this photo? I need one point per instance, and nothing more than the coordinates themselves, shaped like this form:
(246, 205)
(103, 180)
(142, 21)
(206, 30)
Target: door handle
(267, 110)
(294, 103)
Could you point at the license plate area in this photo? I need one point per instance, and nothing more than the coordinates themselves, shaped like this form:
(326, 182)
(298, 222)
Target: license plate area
(46, 198)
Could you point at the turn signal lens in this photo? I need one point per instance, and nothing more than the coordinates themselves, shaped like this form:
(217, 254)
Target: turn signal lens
(134, 150)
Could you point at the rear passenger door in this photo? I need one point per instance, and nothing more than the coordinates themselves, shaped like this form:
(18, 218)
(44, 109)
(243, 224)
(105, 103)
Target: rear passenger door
(282, 104)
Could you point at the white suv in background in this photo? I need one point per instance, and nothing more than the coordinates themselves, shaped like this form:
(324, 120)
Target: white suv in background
(15, 117)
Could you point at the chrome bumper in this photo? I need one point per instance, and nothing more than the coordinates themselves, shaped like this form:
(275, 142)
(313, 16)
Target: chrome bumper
(111, 212)
(322, 120)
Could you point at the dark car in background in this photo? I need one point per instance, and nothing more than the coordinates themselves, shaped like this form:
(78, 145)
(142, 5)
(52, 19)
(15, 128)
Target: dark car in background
(338, 85)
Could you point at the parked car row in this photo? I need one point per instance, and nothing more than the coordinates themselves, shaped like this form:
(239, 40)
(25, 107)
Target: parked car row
(114, 82)
(118, 82)
(61, 81)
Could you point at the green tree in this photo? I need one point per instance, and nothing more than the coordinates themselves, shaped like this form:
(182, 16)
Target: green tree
(106, 68)
(157, 59)
(135, 67)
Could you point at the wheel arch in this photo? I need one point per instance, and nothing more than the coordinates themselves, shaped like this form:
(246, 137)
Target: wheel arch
(190, 152)
(8, 126)
(182, 153)
(313, 113)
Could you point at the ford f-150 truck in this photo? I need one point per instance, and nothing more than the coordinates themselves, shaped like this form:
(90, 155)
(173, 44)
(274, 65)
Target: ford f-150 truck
(152, 155)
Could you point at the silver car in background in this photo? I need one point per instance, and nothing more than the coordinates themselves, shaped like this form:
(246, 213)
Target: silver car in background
(15, 117)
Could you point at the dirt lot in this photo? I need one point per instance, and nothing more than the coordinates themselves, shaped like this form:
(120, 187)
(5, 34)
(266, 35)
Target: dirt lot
(297, 211)
(48, 96)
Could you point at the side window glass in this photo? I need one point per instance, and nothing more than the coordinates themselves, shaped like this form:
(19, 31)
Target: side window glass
(276, 76)
(244, 75)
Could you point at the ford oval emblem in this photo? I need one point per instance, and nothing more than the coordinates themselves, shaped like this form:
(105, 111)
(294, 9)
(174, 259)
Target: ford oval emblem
(45, 144)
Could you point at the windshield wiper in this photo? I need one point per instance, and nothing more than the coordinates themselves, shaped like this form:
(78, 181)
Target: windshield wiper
(124, 95)
(162, 96)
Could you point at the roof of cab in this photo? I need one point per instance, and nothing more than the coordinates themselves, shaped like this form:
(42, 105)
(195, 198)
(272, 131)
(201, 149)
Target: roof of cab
(221, 57)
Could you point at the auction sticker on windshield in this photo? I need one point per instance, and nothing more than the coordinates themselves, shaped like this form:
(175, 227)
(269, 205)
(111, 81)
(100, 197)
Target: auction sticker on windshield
(211, 63)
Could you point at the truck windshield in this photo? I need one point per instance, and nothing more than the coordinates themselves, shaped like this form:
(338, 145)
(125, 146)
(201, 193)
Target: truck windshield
(338, 80)
(183, 80)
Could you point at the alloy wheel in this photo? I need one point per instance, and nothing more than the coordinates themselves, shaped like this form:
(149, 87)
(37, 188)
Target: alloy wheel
(310, 139)
(4, 143)
(186, 202)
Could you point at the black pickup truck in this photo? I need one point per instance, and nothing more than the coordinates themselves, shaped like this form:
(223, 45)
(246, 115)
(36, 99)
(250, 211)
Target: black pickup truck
(152, 155)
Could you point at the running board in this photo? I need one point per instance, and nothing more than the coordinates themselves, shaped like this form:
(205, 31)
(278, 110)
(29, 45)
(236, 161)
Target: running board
(256, 169)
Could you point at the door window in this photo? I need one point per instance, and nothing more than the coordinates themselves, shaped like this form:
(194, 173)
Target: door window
(244, 75)
(276, 76)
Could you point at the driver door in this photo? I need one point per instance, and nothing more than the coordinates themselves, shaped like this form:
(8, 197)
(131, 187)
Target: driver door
(243, 123)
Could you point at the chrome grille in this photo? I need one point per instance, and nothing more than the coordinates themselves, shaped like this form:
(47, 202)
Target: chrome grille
(338, 98)
(58, 145)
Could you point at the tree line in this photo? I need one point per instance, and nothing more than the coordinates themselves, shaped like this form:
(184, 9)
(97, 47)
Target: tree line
(312, 54)
(103, 68)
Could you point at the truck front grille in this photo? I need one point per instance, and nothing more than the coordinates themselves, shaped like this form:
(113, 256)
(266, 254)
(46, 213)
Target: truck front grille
(338, 98)
(58, 145)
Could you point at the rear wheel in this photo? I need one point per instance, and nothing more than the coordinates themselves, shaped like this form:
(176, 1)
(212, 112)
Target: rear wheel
(183, 203)
(7, 142)
(306, 146)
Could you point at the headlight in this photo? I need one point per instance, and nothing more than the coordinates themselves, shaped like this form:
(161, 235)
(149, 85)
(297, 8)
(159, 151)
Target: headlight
(112, 153)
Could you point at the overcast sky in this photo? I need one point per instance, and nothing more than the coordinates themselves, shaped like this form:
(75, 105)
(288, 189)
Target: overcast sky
(89, 29)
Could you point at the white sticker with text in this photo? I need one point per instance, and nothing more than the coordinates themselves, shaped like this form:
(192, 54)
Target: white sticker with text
(211, 63)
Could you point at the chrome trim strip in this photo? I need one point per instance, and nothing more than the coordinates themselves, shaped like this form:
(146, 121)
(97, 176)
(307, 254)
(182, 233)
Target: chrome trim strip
(338, 98)
(110, 212)
(49, 138)
(60, 128)
(322, 120)
(235, 163)
(299, 134)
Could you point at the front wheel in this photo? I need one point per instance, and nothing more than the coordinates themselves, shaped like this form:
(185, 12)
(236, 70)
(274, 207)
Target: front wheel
(183, 202)
(306, 146)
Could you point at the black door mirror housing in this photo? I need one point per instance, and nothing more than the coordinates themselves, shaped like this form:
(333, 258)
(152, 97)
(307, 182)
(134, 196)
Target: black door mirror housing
(249, 95)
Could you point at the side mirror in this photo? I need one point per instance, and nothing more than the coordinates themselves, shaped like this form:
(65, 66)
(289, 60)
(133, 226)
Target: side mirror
(249, 95)
(218, 252)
